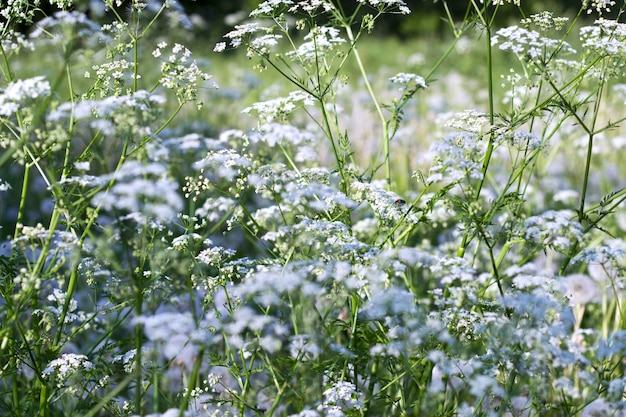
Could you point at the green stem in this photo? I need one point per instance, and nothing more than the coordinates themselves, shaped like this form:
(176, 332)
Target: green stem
(138, 346)
(192, 383)
(379, 109)
(490, 145)
(22, 203)
(7, 66)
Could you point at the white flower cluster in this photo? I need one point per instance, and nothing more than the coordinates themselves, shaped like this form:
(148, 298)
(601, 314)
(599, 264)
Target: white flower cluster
(387, 5)
(279, 108)
(273, 8)
(18, 92)
(324, 239)
(62, 4)
(78, 23)
(15, 41)
(286, 136)
(502, 2)
(214, 255)
(270, 8)
(311, 6)
(246, 323)
(457, 156)
(176, 335)
(223, 169)
(472, 121)
(65, 366)
(341, 397)
(269, 286)
(580, 289)
(4, 186)
(142, 191)
(388, 207)
(239, 35)
(528, 43)
(180, 73)
(59, 297)
(263, 45)
(545, 20)
(19, 10)
(318, 42)
(554, 229)
(111, 76)
(113, 114)
(599, 6)
(521, 139)
(606, 37)
(214, 208)
(409, 82)
(227, 163)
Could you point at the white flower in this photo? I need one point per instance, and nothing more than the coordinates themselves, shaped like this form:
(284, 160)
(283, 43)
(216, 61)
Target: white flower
(342, 396)
(390, 301)
(470, 121)
(4, 186)
(554, 229)
(523, 42)
(66, 365)
(303, 348)
(599, 5)
(408, 81)
(144, 192)
(581, 289)
(320, 40)
(387, 5)
(82, 166)
(457, 156)
(270, 7)
(12, 98)
(271, 110)
(600, 408)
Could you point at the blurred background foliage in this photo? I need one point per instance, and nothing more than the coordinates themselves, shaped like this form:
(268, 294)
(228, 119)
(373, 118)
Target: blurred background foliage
(218, 16)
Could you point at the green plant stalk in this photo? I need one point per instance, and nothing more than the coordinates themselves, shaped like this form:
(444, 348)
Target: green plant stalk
(379, 110)
(590, 151)
(339, 158)
(97, 409)
(281, 388)
(138, 346)
(591, 135)
(192, 383)
(22, 203)
(490, 145)
(39, 266)
(71, 288)
(12, 317)
(7, 66)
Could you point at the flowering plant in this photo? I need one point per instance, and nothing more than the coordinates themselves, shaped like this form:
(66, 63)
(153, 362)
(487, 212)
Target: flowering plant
(287, 268)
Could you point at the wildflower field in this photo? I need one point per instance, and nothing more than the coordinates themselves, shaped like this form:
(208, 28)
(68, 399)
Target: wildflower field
(330, 224)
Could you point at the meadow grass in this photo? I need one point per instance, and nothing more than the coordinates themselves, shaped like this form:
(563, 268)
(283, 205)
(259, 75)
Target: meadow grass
(346, 226)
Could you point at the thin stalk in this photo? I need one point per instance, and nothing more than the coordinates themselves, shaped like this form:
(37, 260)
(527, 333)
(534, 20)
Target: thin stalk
(379, 109)
(590, 151)
(22, 203)
(7, 66)
(192, 383)
(490, 145)
(138, 346)
(339, 158)
(71, 287)
(98, 408)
